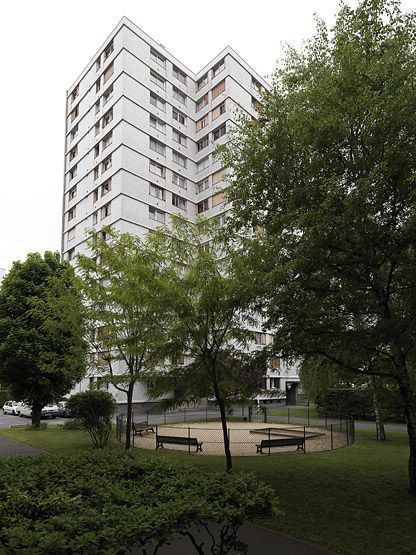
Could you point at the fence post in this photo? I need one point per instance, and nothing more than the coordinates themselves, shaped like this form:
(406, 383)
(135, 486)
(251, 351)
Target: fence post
(189, 440)
(332, 436)
(269, 443)
(184, 414)
(265, 414)
(288, 415)
(147, 416)
(304, 439)
(156, 434)
(250, 412)
(326, 422)
(309, 419)
(206, 414)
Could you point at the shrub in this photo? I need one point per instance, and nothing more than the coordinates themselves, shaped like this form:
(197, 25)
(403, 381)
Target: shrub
(109, 502)
(94, 409)
(73, 424)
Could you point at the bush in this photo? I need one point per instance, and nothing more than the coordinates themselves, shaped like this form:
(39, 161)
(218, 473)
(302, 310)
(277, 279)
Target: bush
(94, 409)
(73, 424)
(5, 396)
(108, 502)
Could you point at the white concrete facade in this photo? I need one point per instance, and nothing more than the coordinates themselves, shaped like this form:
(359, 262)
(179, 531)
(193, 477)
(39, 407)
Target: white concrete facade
(141, 129)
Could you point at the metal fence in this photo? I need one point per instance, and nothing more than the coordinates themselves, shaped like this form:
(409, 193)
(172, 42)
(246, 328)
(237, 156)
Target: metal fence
(267, 434)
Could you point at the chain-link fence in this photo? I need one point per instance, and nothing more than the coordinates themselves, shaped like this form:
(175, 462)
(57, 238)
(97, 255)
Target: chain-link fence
(198, 431)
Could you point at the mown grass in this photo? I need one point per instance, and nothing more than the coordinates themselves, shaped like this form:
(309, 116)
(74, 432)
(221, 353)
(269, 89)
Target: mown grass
(351, 501)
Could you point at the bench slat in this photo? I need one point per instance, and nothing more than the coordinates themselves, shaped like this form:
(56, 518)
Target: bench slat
(178, 440)
(266, 443)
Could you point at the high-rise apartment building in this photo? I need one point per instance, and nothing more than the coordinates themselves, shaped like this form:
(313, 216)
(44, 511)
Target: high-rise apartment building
(141, 130)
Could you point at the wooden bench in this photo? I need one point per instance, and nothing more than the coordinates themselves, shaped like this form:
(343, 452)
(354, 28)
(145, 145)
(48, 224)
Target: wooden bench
(139, 427)
(281, 442)
(190, 441)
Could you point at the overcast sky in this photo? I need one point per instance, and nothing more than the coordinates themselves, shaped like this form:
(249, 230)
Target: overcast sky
(47, 43)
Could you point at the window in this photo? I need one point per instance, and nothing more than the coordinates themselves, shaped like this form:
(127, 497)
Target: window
(108, 139)
(108, 50)
(218, 198)
(106, 210)
(256, 85)
(178, 137)
(203, 122)
(179, 74)
(158, 58)
(71, 234)
(74, 93)
(202, 82)
(218, 176)
(73, 153)
(274, 362)
(157, 147)
(98, 84)
(96, 173)
(274, 383)
(202, 143)
(157, 215)
(179, 95)
(95, 218)
(98, 63)
(202, 206)
(105, 187)
(202, 164)
(222, 218)
(72, 193)
(179, 202)
(95, 195)
(97, 128)
(218, 68)
(73, 172)
(151, 385)
(218, 111)
(218, 89)
(260, 338)
(157, 169)
(179, 180)
(74, 132)
(179, 159)
(156, 191)
(203, 101)
(107, 118)
(219, 132)
(108, 72)
(107, 163)
(96, 150)
(71, 213)
(71, 254)
(157, 101)
(202, 186)
(157, 80)
(97, 106)
(181, 118)
(74, 113)
(108, 94)
(157, 124)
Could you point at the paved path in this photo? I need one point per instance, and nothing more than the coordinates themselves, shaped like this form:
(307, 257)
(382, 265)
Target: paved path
(10, 448)
(260, 541)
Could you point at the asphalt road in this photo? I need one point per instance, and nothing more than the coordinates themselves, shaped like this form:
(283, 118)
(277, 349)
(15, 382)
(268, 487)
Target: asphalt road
(7, 420)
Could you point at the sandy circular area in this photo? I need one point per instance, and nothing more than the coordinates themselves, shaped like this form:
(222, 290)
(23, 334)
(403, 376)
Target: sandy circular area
(243, 438)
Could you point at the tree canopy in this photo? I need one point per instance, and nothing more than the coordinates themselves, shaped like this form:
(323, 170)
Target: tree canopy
(42, 346)
(328, 170)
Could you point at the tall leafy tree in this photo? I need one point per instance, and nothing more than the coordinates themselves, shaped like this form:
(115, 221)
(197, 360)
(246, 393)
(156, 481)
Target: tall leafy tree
(204, 304)
(117, 288)
(329, 171)
(42, 347)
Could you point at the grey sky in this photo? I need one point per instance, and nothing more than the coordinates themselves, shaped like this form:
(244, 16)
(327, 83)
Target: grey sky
(46, 44)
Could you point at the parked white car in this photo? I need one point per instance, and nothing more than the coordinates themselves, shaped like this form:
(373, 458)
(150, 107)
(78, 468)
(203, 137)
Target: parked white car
(12, 407)
(48, 411)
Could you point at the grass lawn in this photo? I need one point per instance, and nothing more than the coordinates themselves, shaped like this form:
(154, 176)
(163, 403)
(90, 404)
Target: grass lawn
(301, 412)
(351, 501)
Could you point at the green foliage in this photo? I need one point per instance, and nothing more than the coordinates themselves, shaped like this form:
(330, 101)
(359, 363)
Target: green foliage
(116, 285)
(94, 409)
(328, 171)
(73, 424)
(109, 502)
(4, 396)
(42, 349)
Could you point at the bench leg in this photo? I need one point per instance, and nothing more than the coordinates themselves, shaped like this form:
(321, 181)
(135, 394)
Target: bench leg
(159, 445)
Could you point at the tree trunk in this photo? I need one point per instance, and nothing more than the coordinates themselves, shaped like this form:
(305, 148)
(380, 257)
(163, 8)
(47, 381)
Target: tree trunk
(36, 414)
(228, 459)
(409, 401)
(380, 431)
(129, 415)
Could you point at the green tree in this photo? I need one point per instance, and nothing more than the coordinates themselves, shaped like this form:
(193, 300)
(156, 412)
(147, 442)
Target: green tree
(204, 304)
(94, 409)
(42, 350)
(329, 171)
(116, 286)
